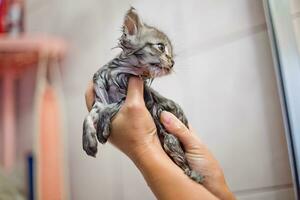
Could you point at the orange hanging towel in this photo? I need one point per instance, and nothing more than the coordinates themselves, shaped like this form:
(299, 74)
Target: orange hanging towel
(50, 150)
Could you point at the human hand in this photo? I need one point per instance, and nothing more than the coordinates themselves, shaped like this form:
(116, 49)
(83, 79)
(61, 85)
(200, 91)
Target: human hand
(199, 157)
(134, 133)
(132, 130)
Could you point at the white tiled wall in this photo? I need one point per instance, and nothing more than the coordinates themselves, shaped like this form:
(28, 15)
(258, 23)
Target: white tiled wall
(224, 80)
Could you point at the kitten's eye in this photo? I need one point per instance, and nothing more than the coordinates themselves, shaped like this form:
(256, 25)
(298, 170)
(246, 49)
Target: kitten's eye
(161, 47)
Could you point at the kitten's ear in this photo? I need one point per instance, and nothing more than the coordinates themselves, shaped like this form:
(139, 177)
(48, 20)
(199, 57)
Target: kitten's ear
(132, 23)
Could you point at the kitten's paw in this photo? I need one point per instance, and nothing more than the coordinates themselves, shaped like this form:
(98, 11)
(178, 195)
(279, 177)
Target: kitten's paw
(90, 146)
(89, 140)
(194, 175)
(103, 132)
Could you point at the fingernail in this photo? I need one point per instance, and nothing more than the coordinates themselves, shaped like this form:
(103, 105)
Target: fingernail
(166, 117)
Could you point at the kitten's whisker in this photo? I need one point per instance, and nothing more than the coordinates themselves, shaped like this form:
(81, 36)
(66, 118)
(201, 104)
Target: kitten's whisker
(116, 47)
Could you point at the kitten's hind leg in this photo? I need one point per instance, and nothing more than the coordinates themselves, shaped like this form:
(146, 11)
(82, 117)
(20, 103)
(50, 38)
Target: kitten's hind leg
(173, 148)
(89, 140)
(105, 117)
(156, 104)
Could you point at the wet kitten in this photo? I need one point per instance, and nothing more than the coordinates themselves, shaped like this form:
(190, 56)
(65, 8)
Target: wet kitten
(147, 53)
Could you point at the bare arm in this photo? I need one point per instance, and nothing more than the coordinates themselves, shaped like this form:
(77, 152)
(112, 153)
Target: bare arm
(167, 180)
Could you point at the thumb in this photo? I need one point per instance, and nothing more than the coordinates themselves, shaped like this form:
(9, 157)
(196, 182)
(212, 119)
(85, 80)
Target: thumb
(177, 128)
(135, 91)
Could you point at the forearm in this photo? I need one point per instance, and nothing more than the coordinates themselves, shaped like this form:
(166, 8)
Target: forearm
(166, 180)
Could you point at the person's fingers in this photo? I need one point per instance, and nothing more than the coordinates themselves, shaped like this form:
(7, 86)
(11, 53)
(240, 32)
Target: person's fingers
(176, 127)
(89, 96)
(135, 93)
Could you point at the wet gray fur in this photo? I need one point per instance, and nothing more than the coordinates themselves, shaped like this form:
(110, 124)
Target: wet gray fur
(147, 53)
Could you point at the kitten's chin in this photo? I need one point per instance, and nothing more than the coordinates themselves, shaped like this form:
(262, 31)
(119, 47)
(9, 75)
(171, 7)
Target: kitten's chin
(154, 71)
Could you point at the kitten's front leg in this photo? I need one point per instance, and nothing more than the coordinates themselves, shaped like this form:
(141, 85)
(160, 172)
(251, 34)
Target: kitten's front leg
(91, 121)
(89, 140)
(97, 125)
(105, 117)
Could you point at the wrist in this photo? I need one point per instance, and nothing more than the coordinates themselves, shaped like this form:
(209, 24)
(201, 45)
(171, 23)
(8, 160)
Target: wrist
(137, 146)
(155, 166)
(140, 152)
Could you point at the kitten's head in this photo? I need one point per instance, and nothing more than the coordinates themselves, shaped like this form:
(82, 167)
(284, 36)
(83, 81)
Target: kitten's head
(151, 46)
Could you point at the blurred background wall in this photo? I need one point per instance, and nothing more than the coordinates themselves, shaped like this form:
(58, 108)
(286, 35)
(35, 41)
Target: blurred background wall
(224, 81)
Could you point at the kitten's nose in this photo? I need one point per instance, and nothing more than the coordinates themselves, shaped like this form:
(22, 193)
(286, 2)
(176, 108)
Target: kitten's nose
(172, 63)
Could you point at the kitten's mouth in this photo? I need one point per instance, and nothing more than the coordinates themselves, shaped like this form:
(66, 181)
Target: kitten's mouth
(168, 69)
(158, 65)
(156, 70)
